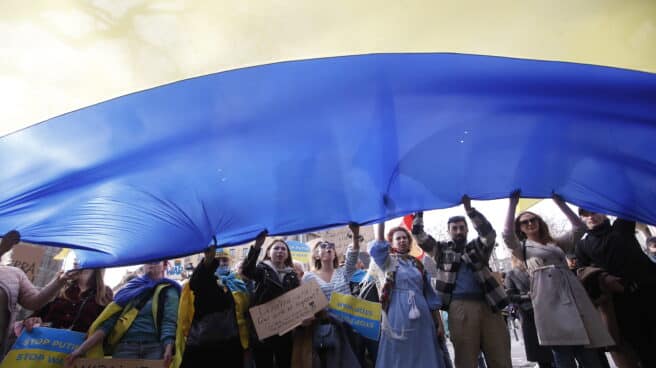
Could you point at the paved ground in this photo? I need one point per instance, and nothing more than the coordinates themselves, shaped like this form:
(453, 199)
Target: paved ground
(517, 351)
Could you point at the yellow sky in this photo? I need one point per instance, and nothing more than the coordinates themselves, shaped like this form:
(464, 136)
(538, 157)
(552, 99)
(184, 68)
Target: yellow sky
(57, 56)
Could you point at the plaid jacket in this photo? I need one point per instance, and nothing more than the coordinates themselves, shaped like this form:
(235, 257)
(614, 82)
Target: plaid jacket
(449, 257)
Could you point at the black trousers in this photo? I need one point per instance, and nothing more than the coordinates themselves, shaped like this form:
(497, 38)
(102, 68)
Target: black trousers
(229, 354)
(276, 349)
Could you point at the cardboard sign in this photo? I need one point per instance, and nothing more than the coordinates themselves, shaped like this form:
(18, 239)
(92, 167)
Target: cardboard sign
(362, 315)
(288, 311)
(42, 348)
(117, 363)
(28, 258)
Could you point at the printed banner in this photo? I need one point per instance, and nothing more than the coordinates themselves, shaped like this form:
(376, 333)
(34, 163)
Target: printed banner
(174, 271)
(117, 363)
(300, 251)
(362, 315)
(42, 348)
(289, 310)
(27, 258)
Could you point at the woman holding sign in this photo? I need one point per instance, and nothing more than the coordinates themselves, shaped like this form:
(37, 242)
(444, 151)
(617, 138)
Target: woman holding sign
(411, 317)
(334, 350)
(139, 324)
(273, 277)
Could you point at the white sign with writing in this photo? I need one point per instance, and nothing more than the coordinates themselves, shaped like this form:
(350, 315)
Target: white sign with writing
(288, 311)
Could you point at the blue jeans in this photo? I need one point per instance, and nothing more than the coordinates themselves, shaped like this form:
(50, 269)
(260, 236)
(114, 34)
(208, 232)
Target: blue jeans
(567, 356)
(139, 350)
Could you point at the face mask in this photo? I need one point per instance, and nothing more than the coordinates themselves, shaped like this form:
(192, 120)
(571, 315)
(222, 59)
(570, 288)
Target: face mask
(222, 270)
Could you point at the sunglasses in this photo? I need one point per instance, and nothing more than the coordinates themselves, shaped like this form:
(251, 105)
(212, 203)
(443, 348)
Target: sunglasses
(326, 245)
(532, 220)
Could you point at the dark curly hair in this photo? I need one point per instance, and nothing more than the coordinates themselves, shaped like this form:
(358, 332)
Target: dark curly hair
(391, 232)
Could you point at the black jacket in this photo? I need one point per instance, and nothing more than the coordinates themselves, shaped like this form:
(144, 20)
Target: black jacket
(209, 297)
(616, 249)
(267, 283)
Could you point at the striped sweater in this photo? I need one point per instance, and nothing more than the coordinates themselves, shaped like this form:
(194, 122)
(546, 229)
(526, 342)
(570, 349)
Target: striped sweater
(339, 283)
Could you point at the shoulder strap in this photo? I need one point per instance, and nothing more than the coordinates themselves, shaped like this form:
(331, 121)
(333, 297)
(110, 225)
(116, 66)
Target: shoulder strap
(158, 300)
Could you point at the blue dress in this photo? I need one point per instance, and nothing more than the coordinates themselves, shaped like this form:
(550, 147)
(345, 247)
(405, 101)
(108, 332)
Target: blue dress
(405, 342)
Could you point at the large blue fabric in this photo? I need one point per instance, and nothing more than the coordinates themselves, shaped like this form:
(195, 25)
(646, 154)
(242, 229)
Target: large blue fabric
(302, 145)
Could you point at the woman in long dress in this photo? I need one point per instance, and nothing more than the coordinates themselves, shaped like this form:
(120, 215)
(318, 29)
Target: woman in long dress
(411, 318)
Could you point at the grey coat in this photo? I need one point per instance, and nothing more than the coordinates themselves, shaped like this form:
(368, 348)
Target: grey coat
(564, 314)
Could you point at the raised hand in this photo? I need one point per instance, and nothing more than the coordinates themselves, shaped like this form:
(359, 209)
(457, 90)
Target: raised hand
(259, 241)
(466, 201)
(514, 196)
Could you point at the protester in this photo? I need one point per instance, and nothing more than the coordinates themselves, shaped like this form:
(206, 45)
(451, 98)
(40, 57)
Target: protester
(411, 317)
(470, 292)
(565, 318)
(273, 277)
(518, 287)
(333, 278)
(615, 250)
(428, 244)
(215, 328)
(327, 272)
(16, 288)
(140, 323)
(77, 306)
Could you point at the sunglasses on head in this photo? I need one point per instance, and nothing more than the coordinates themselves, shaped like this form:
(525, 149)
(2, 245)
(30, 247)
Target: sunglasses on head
(326, 245)
(532, 220)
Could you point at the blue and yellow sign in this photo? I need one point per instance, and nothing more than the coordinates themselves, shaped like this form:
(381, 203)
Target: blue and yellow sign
(42, 348)
(300, 251)
(362, 315)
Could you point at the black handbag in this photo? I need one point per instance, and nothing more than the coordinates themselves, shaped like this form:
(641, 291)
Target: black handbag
(325, 337)
(214, 328)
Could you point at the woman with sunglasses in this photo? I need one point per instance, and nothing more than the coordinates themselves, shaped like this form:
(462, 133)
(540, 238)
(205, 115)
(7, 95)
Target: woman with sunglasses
(331, 278)
(565, 318)
(274, 276)
(327, 273)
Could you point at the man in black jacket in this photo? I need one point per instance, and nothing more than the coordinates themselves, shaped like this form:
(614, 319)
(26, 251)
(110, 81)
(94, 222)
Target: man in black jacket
(615, 249)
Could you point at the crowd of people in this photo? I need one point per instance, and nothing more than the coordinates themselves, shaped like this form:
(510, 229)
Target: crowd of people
(579, 295)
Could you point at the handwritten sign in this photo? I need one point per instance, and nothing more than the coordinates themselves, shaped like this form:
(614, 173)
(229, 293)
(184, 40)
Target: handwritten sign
(117, 363)
(27, 258)
(42, 348)
(288, 311)
(362, 315)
